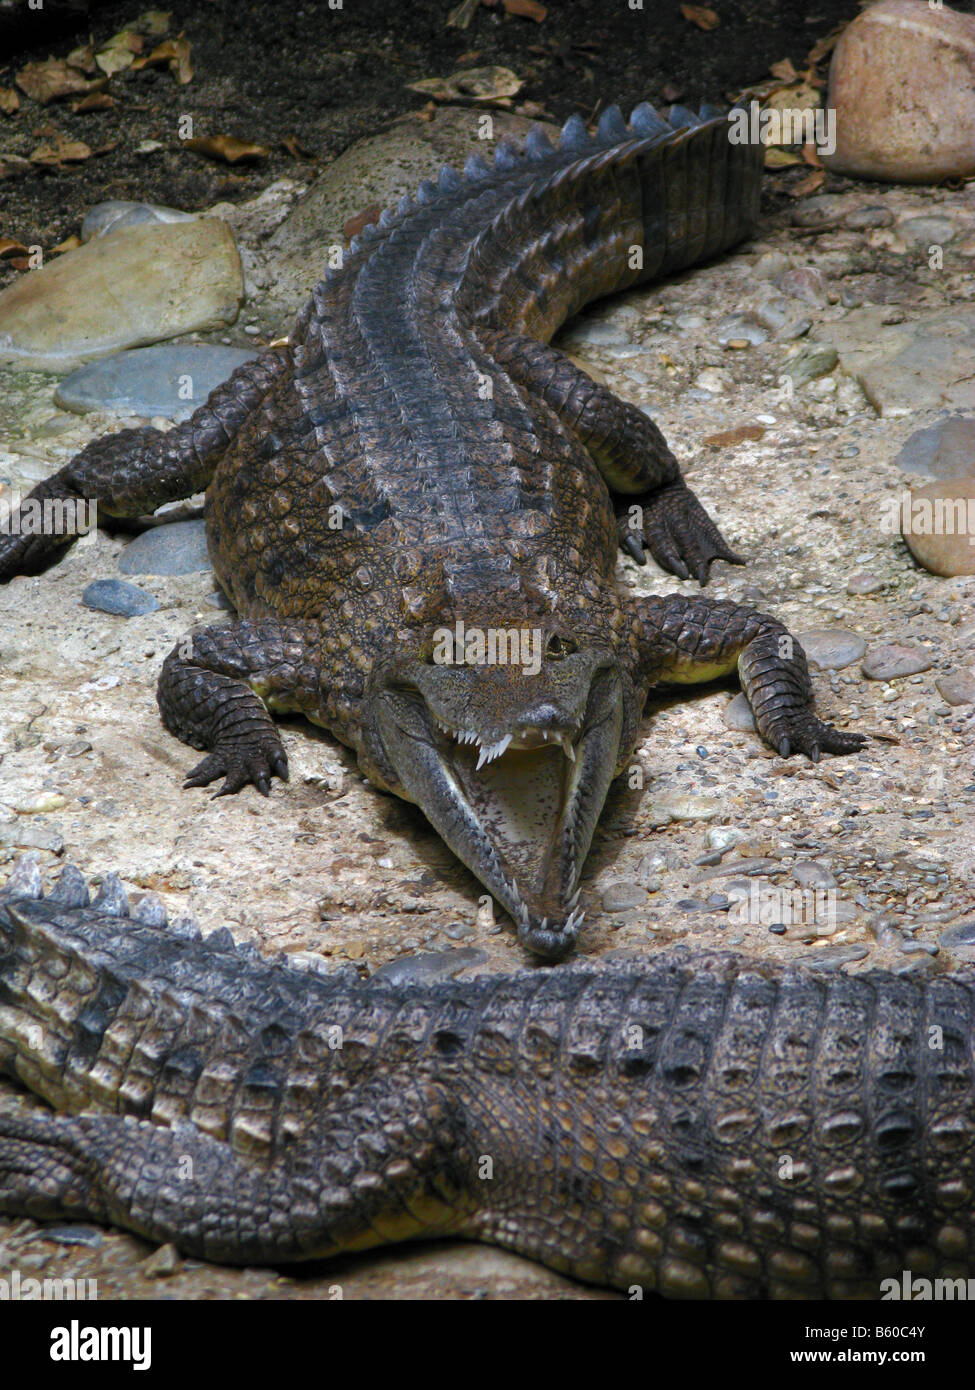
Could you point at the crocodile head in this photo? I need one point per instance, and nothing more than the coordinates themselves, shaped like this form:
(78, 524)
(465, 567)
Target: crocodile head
(510, 760)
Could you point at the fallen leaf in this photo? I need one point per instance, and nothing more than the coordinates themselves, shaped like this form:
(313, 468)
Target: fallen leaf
(175, 53)
(153, 23)
(297, 151)
(471, 85)
(811, 155)
(726, 439)
(227, 148)
(784, 70)
(9, 101)
(82, 58)
(94, 101)
(52, 79)
(460, 17)
(701, 16)
(808, 185)
(528, 9)
(8, 247)
(362, 219)
(776, 158)
(70, 243)
(119, 52)
(826, 44)
(62, 151)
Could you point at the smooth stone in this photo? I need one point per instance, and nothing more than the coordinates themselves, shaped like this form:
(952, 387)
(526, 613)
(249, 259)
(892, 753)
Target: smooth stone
(924, 232)
(808, 362)
(162, 1263)
(683, 808)
(893, 661)
(944, 450)
(942, 526)
(960, 940)
(902, 85)
(864, 219)
(863, 583)
(809, 873)
(737, 715)
(24, 834)
(833, 957)
(723, 837)
(824, 211)
(429, 965)
(623, 895)
(89, 1236)
(140, 285)
(118, 597)
(178, 548)
(738, 328)
(168, 381)
(832, 649)
(116, 213)
(805, 283)
(957, 688)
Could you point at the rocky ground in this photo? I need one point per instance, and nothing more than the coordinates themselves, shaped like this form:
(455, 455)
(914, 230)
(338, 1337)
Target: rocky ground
(804, 381)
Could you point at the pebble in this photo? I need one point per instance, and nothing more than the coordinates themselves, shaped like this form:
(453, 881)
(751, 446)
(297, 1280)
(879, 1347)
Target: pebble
(623, 895)
(805, 283)
(873, 215)
(808, 362)
(770, 265)
(723, 837)
(959, 940)
(957, 688)
(21, 834)
(864, 583)
(737, 715)
(118, 597)
(110, 216)
(740, 328)
(683, 808)
(824, 211)
(934, 509)
(167, 381)
(922, 232)
(809, 873)
(429, 965)
(162, 1263)
(893, 661)
(71, 1235)
(944, 450)
(140, 285)
(177, 548)
(600, 334)
(833, 957)
(832, 649)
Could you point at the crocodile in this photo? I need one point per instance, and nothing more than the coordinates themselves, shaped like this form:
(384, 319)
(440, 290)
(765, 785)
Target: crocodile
(693, 1124)
(417, 505)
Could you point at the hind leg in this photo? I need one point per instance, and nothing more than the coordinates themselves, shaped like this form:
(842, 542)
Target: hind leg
(655, 508)
(135, 471)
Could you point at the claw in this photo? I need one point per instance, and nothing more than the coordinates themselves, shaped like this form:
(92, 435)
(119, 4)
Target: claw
(785, 747)
(634, 547)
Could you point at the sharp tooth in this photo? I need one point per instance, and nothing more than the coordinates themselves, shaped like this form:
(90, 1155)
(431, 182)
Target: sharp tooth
(568, 749)
(482, 758)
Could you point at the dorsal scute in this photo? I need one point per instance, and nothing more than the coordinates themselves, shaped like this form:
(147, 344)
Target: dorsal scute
(645, 121)
(681, 117)
(612, 126)
(449, 179)
(477, 167)
(574, 137)
(537, 144)
(506, 156)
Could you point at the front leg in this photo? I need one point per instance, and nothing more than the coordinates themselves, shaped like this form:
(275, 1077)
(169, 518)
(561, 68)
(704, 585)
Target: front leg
(217, 685)
(683, 640)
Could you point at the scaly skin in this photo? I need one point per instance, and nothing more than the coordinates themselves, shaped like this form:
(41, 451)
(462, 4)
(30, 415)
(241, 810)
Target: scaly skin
(698, 1125)
(418, 458)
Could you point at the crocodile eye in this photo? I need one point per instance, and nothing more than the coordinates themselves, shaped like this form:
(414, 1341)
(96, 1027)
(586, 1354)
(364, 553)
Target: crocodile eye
(559, 646)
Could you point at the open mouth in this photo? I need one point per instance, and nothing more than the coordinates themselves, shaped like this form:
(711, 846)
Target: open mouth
(518, 808)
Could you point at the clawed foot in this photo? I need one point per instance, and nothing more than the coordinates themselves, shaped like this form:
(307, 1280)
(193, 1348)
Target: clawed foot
(240, 761)
(676, 530)
(805, 733)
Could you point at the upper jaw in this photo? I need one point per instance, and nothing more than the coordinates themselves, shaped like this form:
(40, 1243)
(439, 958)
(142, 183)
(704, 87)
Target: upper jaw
(518, 807)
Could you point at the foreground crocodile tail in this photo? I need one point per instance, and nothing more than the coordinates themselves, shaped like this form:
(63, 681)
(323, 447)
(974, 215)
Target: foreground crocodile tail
(694, 1124)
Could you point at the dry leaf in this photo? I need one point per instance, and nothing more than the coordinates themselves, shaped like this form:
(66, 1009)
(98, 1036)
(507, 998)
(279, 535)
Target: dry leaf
(471, 85)
(808, 185)
(227, 148)
(70, 243)
(9, 101)
(701, 16)
(154, 23)
(82, 58)
(95, 101)
(460, 17)
(784, 70)
(175, 53)
(362, 219)
(62, 151)
(825, 45)
(119, 53)
(297, 151)
(811, 155)
(528, 9)
(726, 439)
(776, 158)
(51, 79)
(9, 247)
